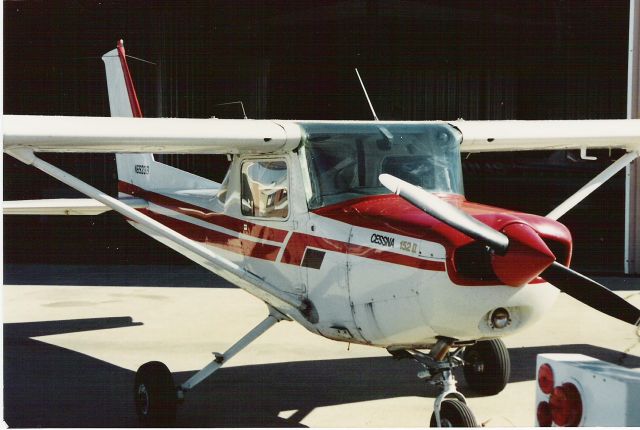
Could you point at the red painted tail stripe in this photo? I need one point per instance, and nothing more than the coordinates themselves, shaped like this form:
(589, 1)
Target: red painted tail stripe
(131, 89)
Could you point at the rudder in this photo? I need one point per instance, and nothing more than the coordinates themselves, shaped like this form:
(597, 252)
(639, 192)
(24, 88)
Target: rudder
(123, 102)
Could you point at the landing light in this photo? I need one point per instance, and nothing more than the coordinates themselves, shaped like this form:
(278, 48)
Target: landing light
(500, 318)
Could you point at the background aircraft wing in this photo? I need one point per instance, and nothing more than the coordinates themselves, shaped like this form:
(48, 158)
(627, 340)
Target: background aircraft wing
(493, 136)
(155, 135)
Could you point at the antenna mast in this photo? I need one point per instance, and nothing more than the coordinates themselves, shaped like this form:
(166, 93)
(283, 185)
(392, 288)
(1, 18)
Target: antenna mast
(367, 96)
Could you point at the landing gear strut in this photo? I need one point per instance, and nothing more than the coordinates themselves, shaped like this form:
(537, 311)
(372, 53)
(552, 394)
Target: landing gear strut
(486, 367)
(155, 395)
(450, 406)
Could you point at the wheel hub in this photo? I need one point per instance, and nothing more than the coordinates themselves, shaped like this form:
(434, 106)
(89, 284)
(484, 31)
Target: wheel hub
(478, 367)
(445, 423)
(143, 399)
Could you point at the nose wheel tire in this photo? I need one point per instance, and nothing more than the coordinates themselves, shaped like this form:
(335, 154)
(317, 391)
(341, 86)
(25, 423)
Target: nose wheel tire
(155, 395)
(454, 413)
(487, 366)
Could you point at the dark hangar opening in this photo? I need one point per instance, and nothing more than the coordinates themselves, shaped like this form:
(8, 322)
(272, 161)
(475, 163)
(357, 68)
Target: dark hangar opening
(542, 59)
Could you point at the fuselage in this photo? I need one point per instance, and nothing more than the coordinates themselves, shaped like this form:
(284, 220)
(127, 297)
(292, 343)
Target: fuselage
(315, 223)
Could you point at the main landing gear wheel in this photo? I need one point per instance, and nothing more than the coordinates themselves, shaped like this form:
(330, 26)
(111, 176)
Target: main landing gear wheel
(155, 395)
(487, 366)
(454, 413)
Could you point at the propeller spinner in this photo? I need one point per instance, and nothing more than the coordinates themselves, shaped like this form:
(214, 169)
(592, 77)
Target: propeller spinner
(520, 246)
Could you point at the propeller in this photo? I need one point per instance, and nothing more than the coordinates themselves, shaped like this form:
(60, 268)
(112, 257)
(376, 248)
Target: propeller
(570, 282)
(447, 213)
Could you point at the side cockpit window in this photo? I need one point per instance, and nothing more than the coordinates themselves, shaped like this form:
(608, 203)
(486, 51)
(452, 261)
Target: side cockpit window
(265, 188)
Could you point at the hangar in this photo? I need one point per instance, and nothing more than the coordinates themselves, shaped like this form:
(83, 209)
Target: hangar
(420, 60)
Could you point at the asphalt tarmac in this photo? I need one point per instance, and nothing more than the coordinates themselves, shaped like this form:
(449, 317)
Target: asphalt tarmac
(71, 351)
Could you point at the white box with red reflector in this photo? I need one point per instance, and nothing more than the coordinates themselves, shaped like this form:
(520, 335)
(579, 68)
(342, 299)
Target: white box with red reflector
(576, 390)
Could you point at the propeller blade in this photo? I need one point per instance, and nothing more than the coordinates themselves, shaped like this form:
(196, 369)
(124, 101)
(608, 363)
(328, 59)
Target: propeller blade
(447, 213)
(591, 293)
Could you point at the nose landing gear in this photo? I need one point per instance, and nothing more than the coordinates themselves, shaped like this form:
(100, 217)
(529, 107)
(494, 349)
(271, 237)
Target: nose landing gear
(486, 368)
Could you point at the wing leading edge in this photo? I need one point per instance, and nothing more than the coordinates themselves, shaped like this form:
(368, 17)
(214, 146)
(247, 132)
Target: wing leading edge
(223, 136)
(156, 135)
(494, 136)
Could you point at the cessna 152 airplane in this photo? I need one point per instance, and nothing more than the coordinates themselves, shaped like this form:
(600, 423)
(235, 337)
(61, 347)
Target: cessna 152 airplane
(357, 230)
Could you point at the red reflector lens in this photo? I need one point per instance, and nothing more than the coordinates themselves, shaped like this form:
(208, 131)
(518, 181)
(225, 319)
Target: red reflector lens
(566, 405)
(545, 378)
(544, 415)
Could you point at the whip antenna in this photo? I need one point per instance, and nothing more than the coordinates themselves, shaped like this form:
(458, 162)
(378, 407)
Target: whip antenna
(367, 96)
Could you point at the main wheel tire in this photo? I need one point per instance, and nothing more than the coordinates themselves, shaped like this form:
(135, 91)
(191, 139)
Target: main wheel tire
(155, 395)
(487, 367)
(454, 413)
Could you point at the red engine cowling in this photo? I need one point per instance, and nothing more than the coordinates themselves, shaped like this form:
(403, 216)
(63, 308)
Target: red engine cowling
(526, 258)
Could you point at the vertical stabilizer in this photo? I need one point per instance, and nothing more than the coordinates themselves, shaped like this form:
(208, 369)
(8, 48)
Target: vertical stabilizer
(140, 170)
(123, 102)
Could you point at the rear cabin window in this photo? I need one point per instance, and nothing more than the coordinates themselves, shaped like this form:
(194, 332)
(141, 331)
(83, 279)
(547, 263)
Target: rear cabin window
(265, 188)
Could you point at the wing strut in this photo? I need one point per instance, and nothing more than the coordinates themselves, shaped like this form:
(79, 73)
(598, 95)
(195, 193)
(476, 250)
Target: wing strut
(593, 185)
(198, 253)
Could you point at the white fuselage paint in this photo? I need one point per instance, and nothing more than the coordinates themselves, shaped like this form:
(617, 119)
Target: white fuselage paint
(360, 299)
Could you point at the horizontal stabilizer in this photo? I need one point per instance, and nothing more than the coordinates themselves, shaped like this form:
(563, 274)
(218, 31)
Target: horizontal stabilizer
(61, 206)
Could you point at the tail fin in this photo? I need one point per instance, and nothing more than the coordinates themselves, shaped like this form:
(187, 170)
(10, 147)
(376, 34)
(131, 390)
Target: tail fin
(123, 102)
(140, 170)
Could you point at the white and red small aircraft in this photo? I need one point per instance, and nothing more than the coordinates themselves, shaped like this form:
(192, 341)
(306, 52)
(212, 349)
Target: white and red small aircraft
(357, 230)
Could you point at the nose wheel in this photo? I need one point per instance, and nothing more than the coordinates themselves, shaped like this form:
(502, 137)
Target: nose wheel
(450, 406)
(454, 413)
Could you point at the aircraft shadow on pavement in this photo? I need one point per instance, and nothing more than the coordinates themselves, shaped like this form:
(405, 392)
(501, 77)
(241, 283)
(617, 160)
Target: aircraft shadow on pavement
(49, 386)
(175, 276)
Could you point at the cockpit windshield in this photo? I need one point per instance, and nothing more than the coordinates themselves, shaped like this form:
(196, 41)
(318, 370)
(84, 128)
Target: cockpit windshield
(345, 159)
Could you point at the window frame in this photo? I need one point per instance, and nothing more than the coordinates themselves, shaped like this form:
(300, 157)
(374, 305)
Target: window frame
(288, 182)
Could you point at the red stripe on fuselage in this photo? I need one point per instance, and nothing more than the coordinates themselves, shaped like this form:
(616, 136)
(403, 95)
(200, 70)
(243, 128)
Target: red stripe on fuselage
(216, 238)
(295, 247)
(219, 219)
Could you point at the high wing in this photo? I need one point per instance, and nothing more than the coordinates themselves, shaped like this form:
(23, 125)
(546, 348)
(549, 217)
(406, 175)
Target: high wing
(219, 136)
(140, 135)
(26, 135)
(493, 136)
